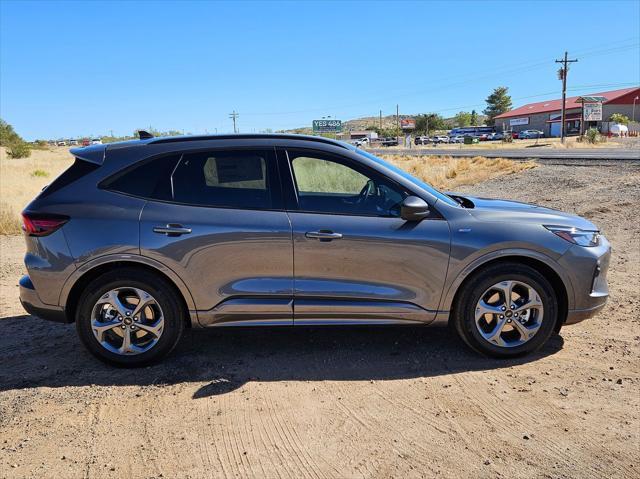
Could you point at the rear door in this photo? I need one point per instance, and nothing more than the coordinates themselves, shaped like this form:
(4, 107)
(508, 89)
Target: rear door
(217, 220)
(356, 260)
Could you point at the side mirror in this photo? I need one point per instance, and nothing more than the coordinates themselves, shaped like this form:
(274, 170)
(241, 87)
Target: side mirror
(414, 209)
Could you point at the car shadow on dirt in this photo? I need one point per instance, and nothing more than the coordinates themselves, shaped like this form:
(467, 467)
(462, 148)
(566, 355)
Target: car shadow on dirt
(36, 353)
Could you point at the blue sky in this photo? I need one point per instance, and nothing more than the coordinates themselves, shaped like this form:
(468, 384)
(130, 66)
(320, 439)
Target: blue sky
(84, 68)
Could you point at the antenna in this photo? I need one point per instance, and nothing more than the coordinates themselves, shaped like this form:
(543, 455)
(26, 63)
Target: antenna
(144, 135)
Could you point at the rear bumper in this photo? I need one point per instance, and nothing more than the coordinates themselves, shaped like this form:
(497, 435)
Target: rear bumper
(33, 305)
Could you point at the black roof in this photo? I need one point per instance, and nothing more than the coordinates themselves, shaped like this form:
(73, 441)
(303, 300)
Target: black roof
(96, 153)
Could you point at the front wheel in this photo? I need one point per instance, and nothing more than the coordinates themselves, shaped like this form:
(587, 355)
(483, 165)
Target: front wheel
(129, 318)
(506, 310)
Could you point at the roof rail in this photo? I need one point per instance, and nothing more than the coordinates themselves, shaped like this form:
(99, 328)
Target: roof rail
(176, 139)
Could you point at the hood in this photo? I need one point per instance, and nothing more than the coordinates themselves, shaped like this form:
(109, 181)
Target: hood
(486, 209)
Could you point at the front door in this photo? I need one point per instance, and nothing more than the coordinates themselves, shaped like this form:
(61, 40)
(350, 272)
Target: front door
(222, 228)
(355, 259)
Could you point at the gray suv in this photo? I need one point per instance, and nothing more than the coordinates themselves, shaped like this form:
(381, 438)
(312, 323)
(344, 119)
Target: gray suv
(139, 240)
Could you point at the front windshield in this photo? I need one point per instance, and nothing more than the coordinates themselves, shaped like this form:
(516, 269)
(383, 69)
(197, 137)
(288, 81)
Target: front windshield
(412, 179)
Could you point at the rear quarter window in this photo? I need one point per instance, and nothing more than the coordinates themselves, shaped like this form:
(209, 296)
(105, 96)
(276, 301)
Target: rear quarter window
(76, 171)
(149, 179)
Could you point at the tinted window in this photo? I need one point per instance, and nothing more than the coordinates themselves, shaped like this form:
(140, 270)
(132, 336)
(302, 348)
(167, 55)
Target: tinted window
(76, 171)
(233, 179)
(149, 179)
(332, 185)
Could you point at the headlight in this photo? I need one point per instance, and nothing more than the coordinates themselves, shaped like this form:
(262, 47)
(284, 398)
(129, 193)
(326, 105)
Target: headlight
(576, 235)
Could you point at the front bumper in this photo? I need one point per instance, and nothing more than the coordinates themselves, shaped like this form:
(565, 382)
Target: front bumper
(588, 269)
(33, 305)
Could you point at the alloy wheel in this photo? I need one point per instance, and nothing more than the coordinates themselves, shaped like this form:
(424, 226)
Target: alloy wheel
(127, 321)
(509, 313)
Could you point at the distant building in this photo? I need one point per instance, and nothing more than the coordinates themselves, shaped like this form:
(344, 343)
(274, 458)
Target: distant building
(546, 115)
(360, 134)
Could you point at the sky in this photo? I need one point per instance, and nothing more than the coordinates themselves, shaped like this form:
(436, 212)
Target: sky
(72, 69)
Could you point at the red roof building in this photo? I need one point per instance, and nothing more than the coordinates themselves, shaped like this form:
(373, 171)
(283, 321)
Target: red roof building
(545, 115)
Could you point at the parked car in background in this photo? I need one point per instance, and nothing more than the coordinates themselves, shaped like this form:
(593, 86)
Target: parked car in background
(389, 141)
(61, 143)
(528, 134)
(483, 136)
(495, 136)
(422, 140)
(360, 142)
(139, 240)
(73, 142)
(96, 141)
(456, 139)
(440, 139)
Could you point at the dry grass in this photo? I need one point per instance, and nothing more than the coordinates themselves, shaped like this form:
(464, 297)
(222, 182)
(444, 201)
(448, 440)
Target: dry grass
(22, 179)
(446, 173)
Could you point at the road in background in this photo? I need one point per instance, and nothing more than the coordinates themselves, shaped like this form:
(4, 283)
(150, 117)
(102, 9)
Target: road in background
(523, 153)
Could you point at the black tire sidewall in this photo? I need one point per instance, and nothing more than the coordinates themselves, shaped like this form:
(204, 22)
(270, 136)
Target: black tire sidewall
(172, 311)
(465, 317)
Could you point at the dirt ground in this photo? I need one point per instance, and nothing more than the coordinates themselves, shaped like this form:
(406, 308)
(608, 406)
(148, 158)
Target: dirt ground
(404, 402)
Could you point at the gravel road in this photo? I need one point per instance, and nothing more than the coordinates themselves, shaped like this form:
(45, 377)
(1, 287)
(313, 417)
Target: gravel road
(404, 402)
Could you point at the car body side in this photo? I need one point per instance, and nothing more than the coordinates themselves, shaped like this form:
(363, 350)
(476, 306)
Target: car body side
(106, 233)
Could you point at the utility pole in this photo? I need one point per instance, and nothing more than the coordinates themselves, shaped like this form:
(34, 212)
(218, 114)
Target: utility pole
(562, 73)
(234, 115)
(398, 123)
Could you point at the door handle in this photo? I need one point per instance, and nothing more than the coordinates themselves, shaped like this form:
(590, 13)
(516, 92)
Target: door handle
(323, 235)
(172, 230)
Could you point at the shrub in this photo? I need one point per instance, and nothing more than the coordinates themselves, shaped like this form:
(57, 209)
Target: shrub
(592, 136)
(619, 118)
(18, 149)
(40, 173)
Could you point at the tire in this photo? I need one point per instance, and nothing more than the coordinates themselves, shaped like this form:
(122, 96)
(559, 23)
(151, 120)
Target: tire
(165, 317)
(479, 287)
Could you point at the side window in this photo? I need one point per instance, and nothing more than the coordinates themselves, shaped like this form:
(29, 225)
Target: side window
(149, 179)
(334, 186)
(231, 179)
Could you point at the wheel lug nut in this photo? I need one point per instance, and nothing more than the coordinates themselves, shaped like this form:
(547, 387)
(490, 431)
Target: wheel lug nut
(501, 316)
(123, 327)
(508, 320)
(119, 318)
(136, 319)
(503, 308)
(128, 313)
(513, 307)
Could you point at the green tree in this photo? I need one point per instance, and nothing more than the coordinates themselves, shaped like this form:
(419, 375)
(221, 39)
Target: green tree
(497, 103)
(474, 118)
(429, 122)
(462, 118)
(16, 146)
(7, 134)
(619, 118)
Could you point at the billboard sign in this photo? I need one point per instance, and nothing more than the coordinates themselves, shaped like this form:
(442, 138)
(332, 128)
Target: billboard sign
(327, 126)
(408, 124)
(519, 121)
(592, 111)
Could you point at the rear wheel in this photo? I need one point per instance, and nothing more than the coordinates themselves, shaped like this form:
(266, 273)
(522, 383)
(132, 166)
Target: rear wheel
(506, 310)
(129, 318)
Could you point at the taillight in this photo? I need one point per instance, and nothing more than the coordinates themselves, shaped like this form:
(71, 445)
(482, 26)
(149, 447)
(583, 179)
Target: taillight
(42, 224)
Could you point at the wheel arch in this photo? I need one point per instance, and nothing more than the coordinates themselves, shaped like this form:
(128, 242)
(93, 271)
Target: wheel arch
(78, 281)
(560, 282)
